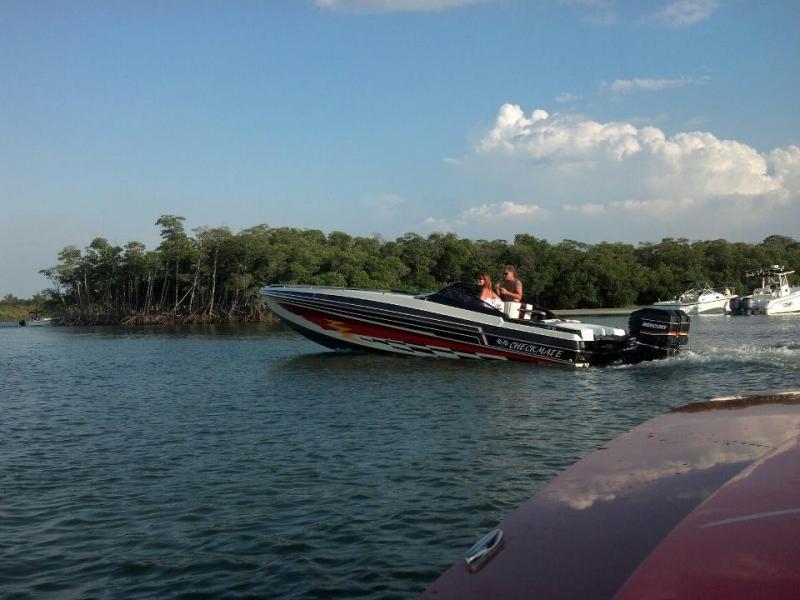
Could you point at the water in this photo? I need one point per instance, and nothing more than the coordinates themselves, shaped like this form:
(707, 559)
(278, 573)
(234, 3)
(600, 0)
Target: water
(248, 462)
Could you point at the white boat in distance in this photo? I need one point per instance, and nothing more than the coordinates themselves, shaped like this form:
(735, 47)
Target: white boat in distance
(37, 321)
(775, 296)
(700, 300)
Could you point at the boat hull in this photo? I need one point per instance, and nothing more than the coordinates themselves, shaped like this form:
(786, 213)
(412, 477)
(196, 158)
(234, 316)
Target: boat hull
(720, 307)
(357, 323)
(775, 296)
(779, 306)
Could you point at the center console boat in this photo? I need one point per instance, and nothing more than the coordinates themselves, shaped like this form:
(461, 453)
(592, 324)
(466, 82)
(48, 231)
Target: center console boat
(701, 300)
(775, 296)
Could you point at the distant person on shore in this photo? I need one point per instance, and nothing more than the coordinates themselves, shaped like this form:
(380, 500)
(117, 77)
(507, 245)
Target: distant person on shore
(487, 293)
(510, 290)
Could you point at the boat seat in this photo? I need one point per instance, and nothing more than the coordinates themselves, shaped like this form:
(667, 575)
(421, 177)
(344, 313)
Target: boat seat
(511, 309)
(518, 310)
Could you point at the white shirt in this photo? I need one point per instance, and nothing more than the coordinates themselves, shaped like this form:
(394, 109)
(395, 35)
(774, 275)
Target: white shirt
(494, 302)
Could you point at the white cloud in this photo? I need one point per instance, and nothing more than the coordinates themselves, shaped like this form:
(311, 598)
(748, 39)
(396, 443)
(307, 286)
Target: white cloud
(640, 84)
(617, 174)
(587, 208)
(686, 12)
(434, 224)
(394, 5)
(494, 213)
(654, 206)
(624, 86)
(504, 210)
(693, 164)
(785, 167)
(559, 137)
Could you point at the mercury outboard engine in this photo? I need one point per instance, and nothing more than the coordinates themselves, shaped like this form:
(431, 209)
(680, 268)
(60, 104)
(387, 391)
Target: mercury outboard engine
(658, 332)
(742, 305)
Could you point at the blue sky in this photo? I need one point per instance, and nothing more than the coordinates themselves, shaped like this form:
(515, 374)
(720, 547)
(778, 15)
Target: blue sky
(583, 119)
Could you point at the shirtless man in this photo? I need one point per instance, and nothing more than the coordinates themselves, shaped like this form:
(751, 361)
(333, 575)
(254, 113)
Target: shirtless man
(510, 290)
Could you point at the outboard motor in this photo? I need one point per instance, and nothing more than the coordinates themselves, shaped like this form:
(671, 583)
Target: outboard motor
(747, 305)
(659, 333)
(741, 306)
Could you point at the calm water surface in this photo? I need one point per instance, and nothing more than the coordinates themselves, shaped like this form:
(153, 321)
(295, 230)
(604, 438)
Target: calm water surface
(248, 462)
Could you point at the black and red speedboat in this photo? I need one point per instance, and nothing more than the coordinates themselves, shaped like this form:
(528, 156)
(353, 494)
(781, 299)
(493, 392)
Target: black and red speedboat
(455, 323)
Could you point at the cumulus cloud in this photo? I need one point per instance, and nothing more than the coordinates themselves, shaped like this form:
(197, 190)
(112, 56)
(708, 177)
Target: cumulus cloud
(624, 175)
(394, 5)
(686, 12)
(785, 167)
(694, 164)
(566, 138)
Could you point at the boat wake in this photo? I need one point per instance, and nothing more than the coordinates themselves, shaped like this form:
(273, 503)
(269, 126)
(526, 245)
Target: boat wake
(784, 355)
(777, 356)
(787, 345)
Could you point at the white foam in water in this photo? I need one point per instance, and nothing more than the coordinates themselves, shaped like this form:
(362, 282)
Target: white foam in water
(778, 355)
(787, 356)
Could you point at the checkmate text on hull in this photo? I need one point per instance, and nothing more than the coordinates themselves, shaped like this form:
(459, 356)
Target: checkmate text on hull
(455, 323)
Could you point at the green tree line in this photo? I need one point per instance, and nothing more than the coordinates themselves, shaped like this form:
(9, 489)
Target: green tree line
(214, 274)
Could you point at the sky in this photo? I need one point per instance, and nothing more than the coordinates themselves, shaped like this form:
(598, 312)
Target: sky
(591, 120)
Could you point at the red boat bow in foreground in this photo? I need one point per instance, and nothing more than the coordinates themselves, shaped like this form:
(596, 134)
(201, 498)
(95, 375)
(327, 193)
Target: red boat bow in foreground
(702, 502)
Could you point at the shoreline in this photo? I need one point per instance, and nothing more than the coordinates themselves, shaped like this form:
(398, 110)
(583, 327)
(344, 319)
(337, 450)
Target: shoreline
(570, 313)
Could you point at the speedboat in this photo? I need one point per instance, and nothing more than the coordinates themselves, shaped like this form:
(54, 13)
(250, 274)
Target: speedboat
(700, 300)
(775, 296)
(700, 502)
(455, 323)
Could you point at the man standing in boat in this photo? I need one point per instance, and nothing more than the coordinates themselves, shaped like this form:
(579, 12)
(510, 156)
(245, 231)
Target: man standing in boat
(510, 289)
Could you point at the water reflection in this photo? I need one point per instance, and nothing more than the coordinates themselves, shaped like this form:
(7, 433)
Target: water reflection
(675, 444)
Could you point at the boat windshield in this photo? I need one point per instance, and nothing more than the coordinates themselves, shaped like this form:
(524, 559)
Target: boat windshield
(462, 295)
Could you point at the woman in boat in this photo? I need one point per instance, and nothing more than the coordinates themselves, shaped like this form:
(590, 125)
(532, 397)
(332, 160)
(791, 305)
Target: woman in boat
(487, 293)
